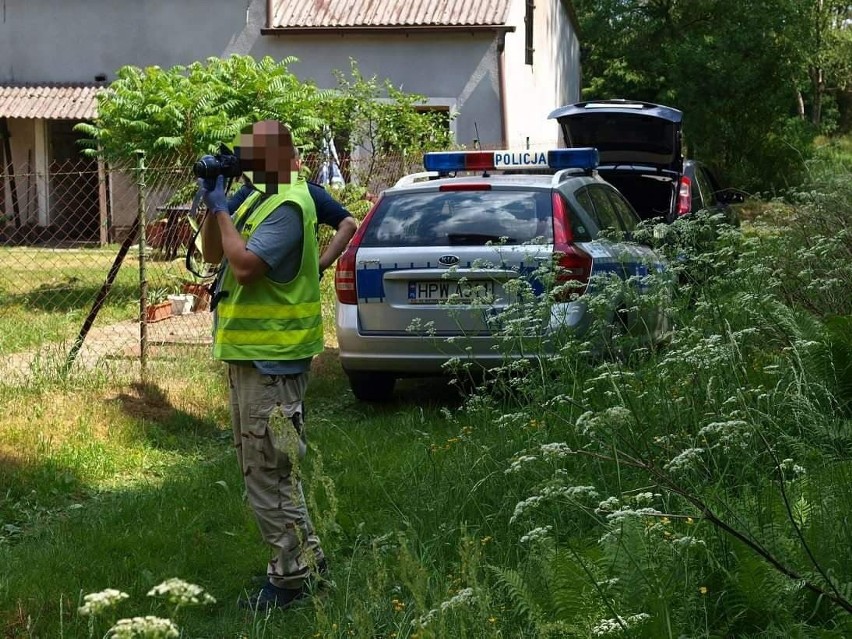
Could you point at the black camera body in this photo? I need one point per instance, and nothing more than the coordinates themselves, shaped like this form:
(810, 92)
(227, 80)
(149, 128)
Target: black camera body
(209, 167)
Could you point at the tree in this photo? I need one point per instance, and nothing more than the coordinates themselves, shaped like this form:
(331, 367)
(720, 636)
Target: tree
(175, 115)
(731, 65)
(826, 32)
(375, 117)
(179, 113)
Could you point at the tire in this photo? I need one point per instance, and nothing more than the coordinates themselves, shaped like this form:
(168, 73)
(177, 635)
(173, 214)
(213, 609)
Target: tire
(372, 387)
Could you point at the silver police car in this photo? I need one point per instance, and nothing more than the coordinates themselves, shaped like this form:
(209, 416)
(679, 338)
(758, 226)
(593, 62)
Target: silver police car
(444, 254)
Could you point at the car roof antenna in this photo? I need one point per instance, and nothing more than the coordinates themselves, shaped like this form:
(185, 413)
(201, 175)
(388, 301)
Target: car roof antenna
(476, 145)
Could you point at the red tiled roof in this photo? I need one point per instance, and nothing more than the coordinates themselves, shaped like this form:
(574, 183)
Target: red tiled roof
(325, 14)
(49, 102)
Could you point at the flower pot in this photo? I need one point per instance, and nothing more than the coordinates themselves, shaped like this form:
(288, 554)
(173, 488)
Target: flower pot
(157, 312)
(182, 304)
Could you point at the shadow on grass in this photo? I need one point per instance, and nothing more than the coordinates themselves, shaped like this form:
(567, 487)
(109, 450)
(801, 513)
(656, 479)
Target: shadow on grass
(329, 380)
(176, 429)
(70, 296)
(193, 525)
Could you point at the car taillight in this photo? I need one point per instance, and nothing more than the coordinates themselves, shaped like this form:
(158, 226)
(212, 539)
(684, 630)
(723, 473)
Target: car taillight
(344, 272)
(572, 263)
(344, 278)
(684, 196)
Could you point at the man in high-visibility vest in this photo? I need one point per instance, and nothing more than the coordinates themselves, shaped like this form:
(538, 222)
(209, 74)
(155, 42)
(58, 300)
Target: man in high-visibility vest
(268, 327)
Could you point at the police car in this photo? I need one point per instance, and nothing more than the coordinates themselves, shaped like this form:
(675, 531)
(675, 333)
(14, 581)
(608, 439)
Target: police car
(438, 259)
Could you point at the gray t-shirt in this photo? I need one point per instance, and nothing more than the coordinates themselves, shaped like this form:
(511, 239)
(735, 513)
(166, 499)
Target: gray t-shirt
(278, 242)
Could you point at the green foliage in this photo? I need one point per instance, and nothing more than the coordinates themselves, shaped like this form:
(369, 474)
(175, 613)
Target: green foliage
(697, 487)
(174, 115)
(375, 118)
(813, 250)
(739, 100)
(375, 115)
(179, 113)
(724, 451)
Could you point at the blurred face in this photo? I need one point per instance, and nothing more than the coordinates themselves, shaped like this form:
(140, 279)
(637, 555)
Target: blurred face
(268, 156)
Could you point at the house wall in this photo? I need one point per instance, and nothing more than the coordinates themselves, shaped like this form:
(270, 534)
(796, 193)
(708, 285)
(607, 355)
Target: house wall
(533, 91)
(47, 41)
(456, 70)
(43, 41)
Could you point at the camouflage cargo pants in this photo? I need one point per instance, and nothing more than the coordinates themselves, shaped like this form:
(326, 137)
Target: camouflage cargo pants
(267, 415)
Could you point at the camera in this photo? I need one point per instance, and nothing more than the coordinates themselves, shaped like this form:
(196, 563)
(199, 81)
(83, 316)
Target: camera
(212, 166)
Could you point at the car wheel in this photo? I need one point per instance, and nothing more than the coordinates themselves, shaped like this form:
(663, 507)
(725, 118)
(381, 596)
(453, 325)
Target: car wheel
(372, 387)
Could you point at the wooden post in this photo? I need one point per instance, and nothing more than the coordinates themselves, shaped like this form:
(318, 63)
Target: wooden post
(104, 225)
(143, 273)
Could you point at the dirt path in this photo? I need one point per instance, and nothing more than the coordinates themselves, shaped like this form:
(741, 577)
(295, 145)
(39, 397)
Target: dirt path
(116, 341)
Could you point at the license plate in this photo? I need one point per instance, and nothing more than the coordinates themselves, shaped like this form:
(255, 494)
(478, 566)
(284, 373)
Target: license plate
(452, 292)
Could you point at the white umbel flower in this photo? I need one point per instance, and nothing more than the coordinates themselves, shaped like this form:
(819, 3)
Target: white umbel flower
(97, 602)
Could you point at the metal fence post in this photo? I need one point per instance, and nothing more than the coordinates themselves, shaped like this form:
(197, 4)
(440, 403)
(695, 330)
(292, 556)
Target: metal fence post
(143, 272)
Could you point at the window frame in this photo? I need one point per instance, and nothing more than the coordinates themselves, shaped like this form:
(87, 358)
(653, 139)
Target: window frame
(529, 33)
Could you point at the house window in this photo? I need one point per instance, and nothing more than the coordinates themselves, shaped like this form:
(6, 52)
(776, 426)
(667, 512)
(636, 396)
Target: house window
(440, 116)
(528, 40)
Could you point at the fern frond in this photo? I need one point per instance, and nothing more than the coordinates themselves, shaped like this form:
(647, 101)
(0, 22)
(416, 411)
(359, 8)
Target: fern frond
(520, 597)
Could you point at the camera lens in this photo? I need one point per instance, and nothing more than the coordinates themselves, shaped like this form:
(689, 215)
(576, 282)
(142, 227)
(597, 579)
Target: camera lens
(207, 167)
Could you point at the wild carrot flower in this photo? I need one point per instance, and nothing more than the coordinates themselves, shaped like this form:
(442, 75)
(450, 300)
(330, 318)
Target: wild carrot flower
(149, 627)
(537, 534)
(613, 626)
(181, 593)
(97, 602)
(464, 597)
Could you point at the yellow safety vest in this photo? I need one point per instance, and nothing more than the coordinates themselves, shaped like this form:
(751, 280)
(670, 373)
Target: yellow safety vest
(268, 320)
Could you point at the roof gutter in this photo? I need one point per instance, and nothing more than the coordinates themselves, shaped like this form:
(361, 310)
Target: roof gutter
(386, 29)
(501, 79)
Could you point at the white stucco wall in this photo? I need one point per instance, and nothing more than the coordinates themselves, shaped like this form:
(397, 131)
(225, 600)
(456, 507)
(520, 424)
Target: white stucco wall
(553, 79)
(76, 40)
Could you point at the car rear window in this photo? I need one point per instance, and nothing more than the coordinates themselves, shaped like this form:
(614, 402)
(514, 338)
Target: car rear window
(461, 218)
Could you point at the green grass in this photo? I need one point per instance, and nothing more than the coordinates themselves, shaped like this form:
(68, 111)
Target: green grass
(46, 294)
(110, 484)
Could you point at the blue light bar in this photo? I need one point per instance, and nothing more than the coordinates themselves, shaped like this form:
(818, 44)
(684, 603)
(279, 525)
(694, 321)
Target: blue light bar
(459, 161)
(451, 161)
(580, 158)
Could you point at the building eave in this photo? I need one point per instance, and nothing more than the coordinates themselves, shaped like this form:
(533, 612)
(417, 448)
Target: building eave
(387, 30)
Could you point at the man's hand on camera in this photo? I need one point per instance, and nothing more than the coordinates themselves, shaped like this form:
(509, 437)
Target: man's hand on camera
(215, 198)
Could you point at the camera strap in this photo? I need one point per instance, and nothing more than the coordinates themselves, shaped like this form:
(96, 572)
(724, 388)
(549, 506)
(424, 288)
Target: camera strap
(193, 210)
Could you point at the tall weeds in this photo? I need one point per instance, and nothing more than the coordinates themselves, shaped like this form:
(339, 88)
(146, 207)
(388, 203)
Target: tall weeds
(698, 486)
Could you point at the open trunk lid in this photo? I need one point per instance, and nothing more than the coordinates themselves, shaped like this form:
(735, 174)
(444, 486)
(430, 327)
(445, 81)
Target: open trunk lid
(625, 132)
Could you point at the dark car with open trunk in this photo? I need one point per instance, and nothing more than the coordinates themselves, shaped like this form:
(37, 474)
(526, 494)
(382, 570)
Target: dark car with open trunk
(641, 154)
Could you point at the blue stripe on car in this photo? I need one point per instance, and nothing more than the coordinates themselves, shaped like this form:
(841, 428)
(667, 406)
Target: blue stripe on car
(370, 277)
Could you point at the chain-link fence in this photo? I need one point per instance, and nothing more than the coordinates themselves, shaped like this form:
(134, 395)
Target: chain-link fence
(93, 260)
